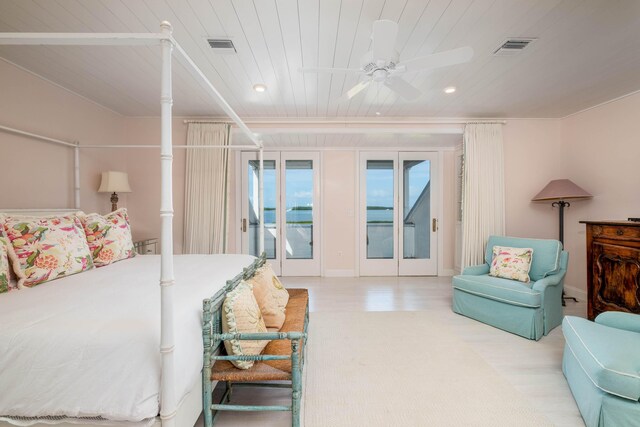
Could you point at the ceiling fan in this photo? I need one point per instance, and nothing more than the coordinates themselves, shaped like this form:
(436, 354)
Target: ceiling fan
(381, 64)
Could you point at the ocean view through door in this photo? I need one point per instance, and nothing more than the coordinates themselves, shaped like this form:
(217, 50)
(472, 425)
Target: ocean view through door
(398, 224)
(291, 210)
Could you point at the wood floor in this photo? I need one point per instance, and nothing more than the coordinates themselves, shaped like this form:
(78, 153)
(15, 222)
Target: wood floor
(533, 368)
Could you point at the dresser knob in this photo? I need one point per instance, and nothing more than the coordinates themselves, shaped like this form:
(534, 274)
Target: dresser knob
(619, 232)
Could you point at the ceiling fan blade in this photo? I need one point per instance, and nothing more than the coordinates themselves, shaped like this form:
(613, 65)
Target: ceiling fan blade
(441, 59)
(384, 37)
(402, 88)
(329, 70)
(355, 90)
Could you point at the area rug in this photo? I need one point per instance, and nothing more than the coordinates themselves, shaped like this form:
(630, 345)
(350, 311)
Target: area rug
(402, 369)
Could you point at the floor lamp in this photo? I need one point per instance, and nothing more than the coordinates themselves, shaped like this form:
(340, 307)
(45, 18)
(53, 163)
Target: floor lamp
(559, 191)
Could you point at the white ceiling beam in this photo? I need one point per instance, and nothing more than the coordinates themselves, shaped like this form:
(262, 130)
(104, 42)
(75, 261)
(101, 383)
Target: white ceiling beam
(82, 39)
(353, 130)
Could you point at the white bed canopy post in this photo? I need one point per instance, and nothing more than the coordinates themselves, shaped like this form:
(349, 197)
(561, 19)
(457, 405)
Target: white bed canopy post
(168, 404)
(261, 200)
(76, 176)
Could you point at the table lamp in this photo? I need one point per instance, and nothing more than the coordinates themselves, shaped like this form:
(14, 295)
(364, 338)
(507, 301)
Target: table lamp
(114, 182)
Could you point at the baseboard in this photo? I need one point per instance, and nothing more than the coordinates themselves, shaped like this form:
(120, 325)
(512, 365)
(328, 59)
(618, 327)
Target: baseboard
(447, 272)
(580, 294)
(339, 273)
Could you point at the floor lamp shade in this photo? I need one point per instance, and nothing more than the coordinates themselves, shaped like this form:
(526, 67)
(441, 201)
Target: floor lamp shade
(114, 182)
(561, 189)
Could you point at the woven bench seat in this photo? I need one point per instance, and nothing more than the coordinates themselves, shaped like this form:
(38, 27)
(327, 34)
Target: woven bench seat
(271, 370)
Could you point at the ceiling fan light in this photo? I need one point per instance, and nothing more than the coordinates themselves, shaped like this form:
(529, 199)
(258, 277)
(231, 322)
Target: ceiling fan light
(449, 89)
(259, 87)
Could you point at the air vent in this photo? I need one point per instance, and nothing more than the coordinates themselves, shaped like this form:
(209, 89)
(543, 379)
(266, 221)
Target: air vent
(222, 45)
(513, 46)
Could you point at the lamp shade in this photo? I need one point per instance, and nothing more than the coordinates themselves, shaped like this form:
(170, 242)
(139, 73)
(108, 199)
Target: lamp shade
(114, 182)
(561, 189)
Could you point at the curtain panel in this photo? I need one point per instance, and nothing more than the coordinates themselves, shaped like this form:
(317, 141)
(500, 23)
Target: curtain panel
(206, 214)
(483, 205)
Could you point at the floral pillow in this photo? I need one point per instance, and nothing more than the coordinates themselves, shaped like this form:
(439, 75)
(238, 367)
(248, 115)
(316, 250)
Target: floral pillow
(11, 276)
(5, 267)
(511, 263)
(48, 248)
(108, 236)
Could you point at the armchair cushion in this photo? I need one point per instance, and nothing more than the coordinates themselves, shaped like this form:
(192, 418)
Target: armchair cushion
(495, 288)
(546, 253)
(620, 320)
(610, 357)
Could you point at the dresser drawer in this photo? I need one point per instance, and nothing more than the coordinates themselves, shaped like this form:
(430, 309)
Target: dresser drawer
(616, 232)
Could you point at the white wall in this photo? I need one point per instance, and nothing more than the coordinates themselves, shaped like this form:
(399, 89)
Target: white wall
(339, 208)
(601, 153)
(38, 174)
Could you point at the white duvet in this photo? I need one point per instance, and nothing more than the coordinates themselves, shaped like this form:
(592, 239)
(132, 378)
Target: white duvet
(88, 345)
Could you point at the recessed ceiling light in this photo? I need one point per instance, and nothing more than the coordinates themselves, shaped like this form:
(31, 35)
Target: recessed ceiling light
(449, 89)
(377, 113)
(259, 87)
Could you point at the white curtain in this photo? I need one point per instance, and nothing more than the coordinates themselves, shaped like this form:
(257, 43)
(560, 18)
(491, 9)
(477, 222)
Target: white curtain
(207, 189)
(482, 190)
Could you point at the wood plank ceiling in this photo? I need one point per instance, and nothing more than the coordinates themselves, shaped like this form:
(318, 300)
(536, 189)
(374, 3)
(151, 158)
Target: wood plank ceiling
(587, 52)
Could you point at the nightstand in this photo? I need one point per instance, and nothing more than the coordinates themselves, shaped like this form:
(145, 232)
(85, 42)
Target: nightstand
(146, 247)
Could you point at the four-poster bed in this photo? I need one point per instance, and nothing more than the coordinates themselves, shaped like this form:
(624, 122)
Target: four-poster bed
(169, 411)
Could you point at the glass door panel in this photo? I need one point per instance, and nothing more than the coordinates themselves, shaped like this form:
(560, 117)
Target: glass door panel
(378, 240)
(418, 236)
(301, 191)
(380, 201)
(299, 209)
(250, 220)
(416, 209)
(270, 206)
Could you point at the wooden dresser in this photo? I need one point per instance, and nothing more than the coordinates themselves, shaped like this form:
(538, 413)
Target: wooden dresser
(613, 266)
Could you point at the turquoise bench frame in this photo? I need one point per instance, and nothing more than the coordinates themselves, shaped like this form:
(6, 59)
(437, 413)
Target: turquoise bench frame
(213, 340)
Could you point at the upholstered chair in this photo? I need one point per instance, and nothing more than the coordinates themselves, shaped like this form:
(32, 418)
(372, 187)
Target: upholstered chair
(601, 362)
(529, 309)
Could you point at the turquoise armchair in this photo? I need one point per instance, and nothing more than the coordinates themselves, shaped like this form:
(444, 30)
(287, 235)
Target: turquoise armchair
(530, 309)
(601, 362)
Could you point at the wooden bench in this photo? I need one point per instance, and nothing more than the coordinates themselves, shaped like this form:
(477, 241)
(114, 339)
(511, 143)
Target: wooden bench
(282, 359)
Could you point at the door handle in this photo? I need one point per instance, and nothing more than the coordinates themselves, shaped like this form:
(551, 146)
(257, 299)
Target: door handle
(434, 225)
(244, 225)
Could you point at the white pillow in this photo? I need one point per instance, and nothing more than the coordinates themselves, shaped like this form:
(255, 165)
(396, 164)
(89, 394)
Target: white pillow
(271, 295)
(241, 314)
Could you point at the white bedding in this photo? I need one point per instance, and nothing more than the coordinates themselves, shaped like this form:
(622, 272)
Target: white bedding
(88, 345)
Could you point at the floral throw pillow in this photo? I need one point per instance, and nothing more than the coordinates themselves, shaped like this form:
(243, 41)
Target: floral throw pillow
(9, 265)
(48, 248)
(108, 236)
(511, 263)
(4, 265)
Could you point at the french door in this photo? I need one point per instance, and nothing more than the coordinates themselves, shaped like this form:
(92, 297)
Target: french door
(291, 210)
(398, 224)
